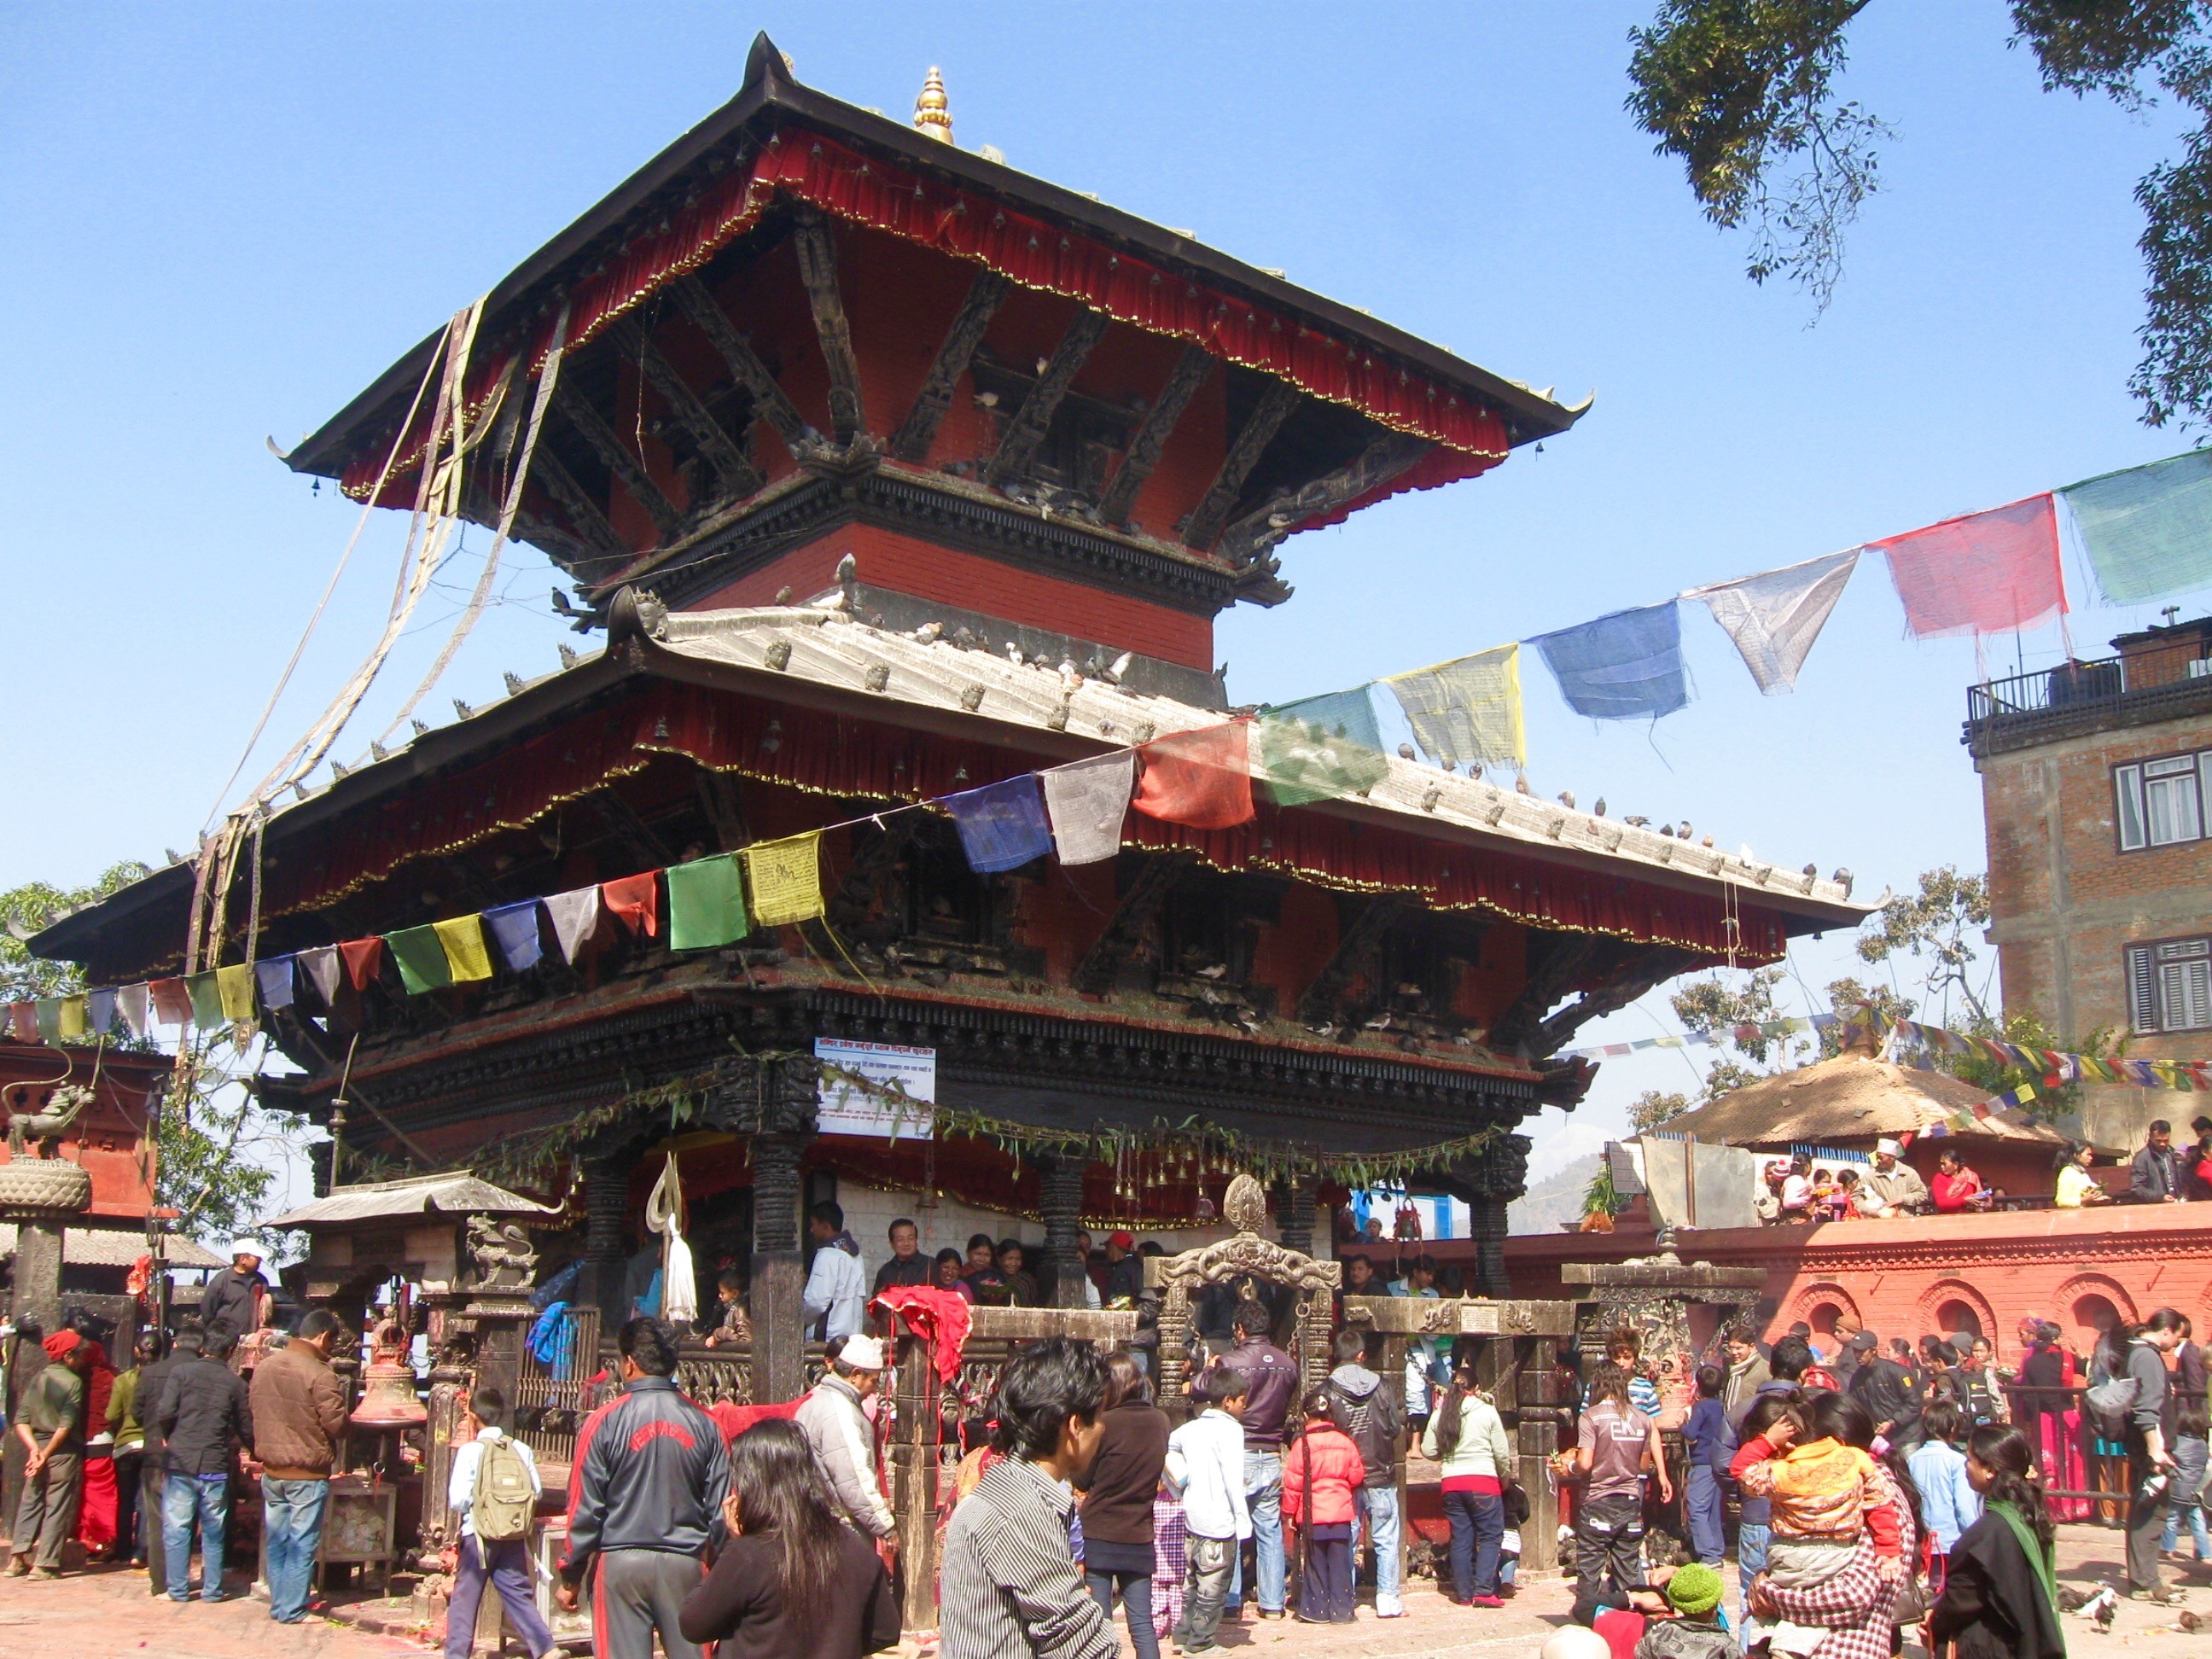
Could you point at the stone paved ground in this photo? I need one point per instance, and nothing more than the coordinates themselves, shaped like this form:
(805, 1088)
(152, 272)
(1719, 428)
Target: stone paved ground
(106, 1615)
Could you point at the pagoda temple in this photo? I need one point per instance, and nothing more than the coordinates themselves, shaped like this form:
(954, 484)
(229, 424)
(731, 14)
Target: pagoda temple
(887, 471)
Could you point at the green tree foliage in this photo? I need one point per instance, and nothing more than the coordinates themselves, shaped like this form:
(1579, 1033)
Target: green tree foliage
(1741, 93)
(1652, 1109)
(1936, 926)
(219, 1151)
(1717, 1008)
(36, 905)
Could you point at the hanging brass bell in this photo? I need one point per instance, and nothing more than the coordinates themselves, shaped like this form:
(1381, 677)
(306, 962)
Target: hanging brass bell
(387, 1385)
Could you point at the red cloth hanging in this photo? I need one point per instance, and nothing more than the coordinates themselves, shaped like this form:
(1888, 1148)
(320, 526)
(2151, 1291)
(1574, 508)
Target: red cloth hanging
(734, 1420)
(1202, 778)
(23, 1018)
(1986, 573)
(940, 1317)
(362, 957)
(636, 900)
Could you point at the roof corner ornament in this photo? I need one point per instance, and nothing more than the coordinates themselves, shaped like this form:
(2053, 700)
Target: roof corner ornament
(636, 613)
(932, 112)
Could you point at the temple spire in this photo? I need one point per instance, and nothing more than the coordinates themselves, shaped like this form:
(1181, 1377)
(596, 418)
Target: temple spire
(933, 113)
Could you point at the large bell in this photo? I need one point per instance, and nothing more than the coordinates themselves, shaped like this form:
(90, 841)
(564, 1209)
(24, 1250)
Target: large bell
(387, 1385)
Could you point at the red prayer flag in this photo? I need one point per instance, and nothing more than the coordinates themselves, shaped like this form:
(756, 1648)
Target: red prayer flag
(1987, 573)
(1202, 778)
(362, 957)
(23, 1019)
(172, 1003)
(636, 900)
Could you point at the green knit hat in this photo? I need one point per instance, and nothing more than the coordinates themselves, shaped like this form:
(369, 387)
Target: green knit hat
(1695, 1590)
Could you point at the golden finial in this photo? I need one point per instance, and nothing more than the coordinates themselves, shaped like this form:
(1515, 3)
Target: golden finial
(932, 114)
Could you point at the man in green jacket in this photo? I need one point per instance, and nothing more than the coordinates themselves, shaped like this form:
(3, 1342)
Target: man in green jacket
(52, 1428)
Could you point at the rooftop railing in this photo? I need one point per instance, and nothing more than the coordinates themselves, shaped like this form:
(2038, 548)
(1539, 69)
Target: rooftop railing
(2142, 684)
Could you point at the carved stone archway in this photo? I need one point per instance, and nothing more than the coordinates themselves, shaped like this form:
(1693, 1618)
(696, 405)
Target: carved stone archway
(1178, 1278)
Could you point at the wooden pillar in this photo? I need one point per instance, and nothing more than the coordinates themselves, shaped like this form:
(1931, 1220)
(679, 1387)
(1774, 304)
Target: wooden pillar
(914, 1484)
(1394, 1378)
(451, 1342)
(606, 1207)
(1063, 1206)
(1294, 1215)
(779, 1274)
(1536, 1391)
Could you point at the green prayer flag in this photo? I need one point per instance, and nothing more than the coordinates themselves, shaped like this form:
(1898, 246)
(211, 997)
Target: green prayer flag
(207, 1000)
(706, 903)
(2148, 530)
(1320, 748)
(48, 1010)
(421, 954)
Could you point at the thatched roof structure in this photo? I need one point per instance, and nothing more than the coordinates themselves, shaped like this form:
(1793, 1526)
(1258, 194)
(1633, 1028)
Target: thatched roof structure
(1849, 1101)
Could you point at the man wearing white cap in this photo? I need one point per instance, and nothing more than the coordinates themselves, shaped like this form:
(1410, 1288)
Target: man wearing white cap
(844, 1440)
(236, 1299)
(1893, 1184)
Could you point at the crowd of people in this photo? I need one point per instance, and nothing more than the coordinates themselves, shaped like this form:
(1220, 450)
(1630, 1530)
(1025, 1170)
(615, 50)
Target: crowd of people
(1798, 1189)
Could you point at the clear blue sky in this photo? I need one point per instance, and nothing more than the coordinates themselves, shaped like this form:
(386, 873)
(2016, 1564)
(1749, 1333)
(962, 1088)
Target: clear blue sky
(222, 221)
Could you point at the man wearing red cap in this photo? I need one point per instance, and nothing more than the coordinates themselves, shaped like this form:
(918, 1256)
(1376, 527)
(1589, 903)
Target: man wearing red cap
(51, 1426)
(1125, 1270)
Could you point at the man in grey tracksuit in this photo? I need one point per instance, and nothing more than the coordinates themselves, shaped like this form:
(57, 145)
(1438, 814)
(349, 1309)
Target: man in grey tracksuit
(2149, 1455)
(843, 1439)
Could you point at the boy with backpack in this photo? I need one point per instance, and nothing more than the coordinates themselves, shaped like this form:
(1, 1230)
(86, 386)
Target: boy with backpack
(495, 1488)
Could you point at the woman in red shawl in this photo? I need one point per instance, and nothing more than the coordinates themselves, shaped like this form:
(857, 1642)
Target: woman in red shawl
(95, 1515)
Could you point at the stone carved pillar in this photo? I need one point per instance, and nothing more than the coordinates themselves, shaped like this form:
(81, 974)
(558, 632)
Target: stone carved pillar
(913, 1482)
(786, 1129)
(1063, 1206)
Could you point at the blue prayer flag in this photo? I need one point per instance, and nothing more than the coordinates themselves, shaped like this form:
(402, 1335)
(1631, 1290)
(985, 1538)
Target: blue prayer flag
(1002, 825)
(1625, 667)
(99, 1010)
(514, 930)
(275, 975)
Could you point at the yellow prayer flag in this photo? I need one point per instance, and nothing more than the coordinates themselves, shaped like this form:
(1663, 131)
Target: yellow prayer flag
(1466, 709)
(234, 985)
(462, 941)
(785, 878)
(73, 1023)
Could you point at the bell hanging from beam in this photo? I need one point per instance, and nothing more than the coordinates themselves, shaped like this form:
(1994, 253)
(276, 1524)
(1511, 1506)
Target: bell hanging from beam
(387, 1385)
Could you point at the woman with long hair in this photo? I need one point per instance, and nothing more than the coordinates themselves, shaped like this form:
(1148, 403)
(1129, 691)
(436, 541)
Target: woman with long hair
(2046, 1413)
(795, 1582)
(1467, 1437)
(2001, 1598)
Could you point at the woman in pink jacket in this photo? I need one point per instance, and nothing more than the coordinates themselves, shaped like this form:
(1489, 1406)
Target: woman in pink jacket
(1320, 1475)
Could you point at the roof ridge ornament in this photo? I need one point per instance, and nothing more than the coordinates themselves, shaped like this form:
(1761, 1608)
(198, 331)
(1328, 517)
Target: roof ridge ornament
(932, 111)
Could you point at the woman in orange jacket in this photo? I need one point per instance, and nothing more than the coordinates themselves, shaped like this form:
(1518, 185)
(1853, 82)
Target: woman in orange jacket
(1321, 1476)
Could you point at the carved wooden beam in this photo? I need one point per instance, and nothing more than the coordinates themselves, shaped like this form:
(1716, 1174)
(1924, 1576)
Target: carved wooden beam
(1568, 957)
(1357, 949)
(872, 862)
(1626, 983)
(1027, 427)
(769, 402)
(618, 460)
(586, 520)
(1276, 402)
(915, 434)
(817, 269)
(1158, 425)
(638, 838)
(1155, 879)
(732, 470)
(1245, 542)
(721, 798)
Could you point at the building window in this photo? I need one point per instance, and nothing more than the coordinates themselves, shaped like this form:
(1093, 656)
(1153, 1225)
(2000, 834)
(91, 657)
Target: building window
(2170, 986)
(2160, 803)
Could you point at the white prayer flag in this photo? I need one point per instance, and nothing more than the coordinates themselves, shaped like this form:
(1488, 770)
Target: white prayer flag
(132, 1001)
(1775, 616)
(1086, 801)
(321, 967)
(574, 915)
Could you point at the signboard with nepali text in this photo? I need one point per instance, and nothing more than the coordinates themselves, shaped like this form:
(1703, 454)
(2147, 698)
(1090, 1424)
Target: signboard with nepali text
(876, 1089)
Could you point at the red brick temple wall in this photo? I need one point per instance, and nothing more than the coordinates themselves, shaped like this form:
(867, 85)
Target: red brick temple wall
(1935, 1274)
(109, 1139)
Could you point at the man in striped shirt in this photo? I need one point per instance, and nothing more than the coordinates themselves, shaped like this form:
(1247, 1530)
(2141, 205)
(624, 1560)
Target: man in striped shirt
(1009, 1587)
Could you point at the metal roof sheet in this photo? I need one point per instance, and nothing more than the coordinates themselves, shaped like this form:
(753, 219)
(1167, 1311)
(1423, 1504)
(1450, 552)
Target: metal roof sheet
(453, 1193)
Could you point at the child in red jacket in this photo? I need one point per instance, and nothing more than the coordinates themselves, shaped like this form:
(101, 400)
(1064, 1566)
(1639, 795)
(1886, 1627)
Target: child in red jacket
(1322, 1473)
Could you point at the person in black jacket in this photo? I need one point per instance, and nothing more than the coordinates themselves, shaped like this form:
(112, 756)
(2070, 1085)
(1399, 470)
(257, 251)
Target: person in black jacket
(152, 1379)
(236, 1299)
(202, 1415)
(1117, 1506)
(1360, 1406)
(652, 1471)
(2000, 1592)
(796, 1582)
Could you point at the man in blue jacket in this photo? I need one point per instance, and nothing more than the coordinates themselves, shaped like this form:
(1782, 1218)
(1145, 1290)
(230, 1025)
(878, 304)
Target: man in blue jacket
(651, 1470)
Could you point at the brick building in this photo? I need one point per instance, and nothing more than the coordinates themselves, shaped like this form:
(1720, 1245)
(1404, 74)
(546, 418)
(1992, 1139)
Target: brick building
(2097, 800)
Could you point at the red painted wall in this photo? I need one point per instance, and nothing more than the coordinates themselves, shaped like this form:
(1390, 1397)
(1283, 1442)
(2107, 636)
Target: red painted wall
(108, 1139)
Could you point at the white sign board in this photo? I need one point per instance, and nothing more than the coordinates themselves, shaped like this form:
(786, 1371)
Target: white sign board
(876, 1089)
